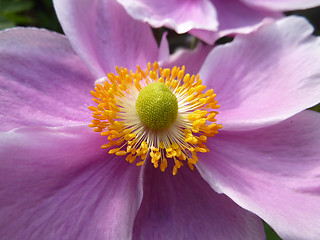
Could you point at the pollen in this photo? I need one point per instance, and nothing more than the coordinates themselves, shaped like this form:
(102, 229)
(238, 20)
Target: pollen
(159, 115)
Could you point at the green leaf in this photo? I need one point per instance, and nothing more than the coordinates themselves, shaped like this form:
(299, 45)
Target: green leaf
(270, 233)
(11, 6)
(5, 23)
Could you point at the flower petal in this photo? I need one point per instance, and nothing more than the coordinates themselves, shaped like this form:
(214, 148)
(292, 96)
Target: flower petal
(57, 183)
(180, 15)
(105, 36)
(265, 77)
(185, 207)
(191, 59)
(236, 17)
(283, 5)
(42, 81)
(207, 20)
(164, 51)
(273, 172)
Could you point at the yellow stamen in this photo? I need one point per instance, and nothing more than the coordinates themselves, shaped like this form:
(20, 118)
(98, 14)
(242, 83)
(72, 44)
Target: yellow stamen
(115, 117)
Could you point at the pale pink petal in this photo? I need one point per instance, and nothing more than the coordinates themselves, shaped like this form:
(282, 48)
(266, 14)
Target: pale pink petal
(42, 81)
(180, 15)
(236, 17)
(185, 207)
(273, 172)
(267, 76)
(164, 51)
(57, 183)
(207, 20)
(191, 59)
(104, 36)
(207, 36)
(283, 5)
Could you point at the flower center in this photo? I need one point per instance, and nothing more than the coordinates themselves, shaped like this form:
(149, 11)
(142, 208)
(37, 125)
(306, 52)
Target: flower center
(157, 106)
(157, 114)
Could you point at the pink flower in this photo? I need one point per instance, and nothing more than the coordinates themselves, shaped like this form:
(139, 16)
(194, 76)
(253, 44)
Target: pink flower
(211, 19)
(57, 183)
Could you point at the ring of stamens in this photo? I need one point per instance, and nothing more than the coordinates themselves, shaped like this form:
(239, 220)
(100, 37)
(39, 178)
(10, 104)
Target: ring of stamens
(115, 117)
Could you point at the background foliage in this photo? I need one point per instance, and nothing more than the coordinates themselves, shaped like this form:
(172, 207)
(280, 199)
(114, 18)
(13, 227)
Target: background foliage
(40, 13)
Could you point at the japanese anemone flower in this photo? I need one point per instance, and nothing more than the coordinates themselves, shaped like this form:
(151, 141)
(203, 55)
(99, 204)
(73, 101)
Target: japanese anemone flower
(212, 19)
(57, 180)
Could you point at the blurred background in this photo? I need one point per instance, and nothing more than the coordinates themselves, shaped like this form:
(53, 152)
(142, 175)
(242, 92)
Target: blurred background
(40, 13)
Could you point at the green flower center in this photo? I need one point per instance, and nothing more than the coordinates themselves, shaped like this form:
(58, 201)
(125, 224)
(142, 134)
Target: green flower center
(157, 106)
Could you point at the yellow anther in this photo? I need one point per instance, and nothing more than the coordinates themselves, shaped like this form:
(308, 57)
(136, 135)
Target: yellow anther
(105, 146)
(92, 108)
(161, 145)
(198, 149)
(203, 100)
(202, 138)
(211, 117)
(186, 78)
(97, 129)
(175, 170)
(128, 137)
(186, 131)
(163, 164)
(155, 66)
(190, 98)
(191, 91)
(180, 74)
(179, 152)
(209, 92)
(191, 166)
(175, 145)
(154, 148)
(174, 83)
(140, 163)
(192, 161)
(153, 75)
(200, 88)
(121, 153)
(174, 72)
(144, 145)
(166, 73)
(114, 150)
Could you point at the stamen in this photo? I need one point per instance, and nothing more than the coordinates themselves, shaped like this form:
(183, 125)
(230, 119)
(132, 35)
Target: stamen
(137, 129)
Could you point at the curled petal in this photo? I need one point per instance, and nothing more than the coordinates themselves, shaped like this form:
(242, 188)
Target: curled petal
(265, 77)
(283, 5)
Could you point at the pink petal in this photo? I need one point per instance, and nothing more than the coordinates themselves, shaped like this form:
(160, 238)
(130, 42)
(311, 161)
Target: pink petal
(207, 36)
(236, 17)
(265, 77)
(42, 81)
(185, 207)
(180, 15)
(273, 172)
(191, 59)
(164, 51)
(283, 5)
(57, 183)
(105, 36)
(207, 20)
